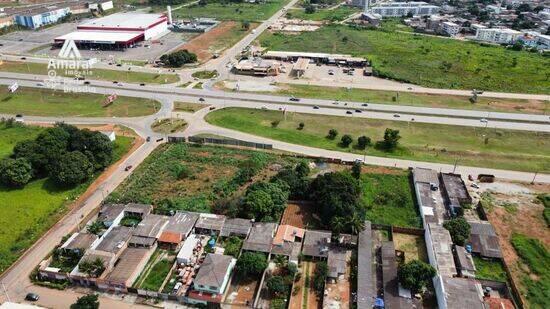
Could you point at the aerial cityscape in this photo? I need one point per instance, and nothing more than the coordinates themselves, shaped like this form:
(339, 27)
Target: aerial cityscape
(275, 154)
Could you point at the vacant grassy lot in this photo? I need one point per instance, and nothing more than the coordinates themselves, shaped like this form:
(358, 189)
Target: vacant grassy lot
(46, 102)
(338, 14)
(188, 107)
(414, 99)
(490, 270)
(505, 149)
(97, 74)
(205, 74)
(156, 276)
(389, 199)
(11, 135)
(413, 246)
(535, 261)
(184, 177)
(25, 214)
(232, 11)
(169, 125)
(427, 61)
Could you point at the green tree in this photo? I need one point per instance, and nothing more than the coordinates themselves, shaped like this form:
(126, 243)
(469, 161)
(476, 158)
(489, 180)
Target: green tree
(415, 275)
(356, 169)
(310, 9)
(89, 301)
(346, 140)
(15, 173)
(178, 58)
(93, 268)
(71, 169)
(276, 285)
(245, 25)
(337, 195)
(459, 230)
(95, 145)
(363, 142)
(251, 264)
(319, 277)
(296, 179)
(31, 150)
(332, 133)
(265, 201)
(391, 139)
(95, 228)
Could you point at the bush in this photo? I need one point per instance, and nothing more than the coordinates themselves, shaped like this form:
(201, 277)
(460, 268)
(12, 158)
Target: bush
(275, 123)
(73, 168)
(276, 285)
(15, 173)
(301, 126)
(346, 140)
(319, 277)
(178, 58)
(332, 133)
(251, 264)
(363, 142)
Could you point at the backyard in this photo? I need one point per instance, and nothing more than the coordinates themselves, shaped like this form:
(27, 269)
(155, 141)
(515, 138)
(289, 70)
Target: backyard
(425, 60)
(97, 74)
(410, 98)
(389, 199)
(471, 146)
(46, 102)
(231, 11)
(25, 214)
(155, 272)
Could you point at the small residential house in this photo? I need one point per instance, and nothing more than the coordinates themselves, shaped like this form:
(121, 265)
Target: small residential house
(137, 210)
(209, 224)
(316, 244)
(78, 242)
(178, 228)
(288, 242)
(260, 237)
(464, 263)
(212, 279)
(111, 214)
(148, 231)
(484, 240)
(236, 227)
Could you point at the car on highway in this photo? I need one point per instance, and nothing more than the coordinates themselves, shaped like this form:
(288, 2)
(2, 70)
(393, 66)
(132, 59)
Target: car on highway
(264, 107)
(142, 84)
(120, 84)
(19, 118)
(349, 112)
(364, 104)
(201, 100)
(335, 103)
(330, 72)
(23, 58)
(358, 111)
(32, 297)
(115, 82)
(294, 99)
(483, 120)
(212, 108)
(40, 84)
(315, 107)
(396, 115)
(86, 83)
(127, 168)
(409, 88)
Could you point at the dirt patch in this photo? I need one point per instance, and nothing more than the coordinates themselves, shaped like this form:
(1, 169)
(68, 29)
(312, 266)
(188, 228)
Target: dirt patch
(242, 293)
(413, 246)
(300, 215)
(204, 45)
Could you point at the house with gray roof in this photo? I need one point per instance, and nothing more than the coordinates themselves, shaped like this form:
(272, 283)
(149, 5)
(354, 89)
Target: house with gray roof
(316, 243)
(484, 240)
(138, 210)
(236, 227)
(365, 280)
(148, 230)
(212, 279)
(260, 237)
(111, 214)
(209, 224)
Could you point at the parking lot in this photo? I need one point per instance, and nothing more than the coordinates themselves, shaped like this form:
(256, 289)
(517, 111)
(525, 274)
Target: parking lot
(38, 43)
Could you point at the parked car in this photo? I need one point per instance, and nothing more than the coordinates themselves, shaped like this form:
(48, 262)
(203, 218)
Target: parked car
(86, 83)
(32, 297)
(335, 103)
(474, 185)
(142, 84)
(330, 72)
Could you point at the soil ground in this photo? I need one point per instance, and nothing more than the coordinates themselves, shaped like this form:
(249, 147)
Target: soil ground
(243, 292)
(413, 246)
(300, 215)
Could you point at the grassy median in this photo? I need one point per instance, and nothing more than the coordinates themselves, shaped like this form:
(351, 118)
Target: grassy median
(409, 98)
(47, 102)
(470, 146)
(95, 74)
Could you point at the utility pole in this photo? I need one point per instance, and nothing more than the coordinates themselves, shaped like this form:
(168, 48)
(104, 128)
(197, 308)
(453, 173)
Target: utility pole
(454, 168)
(535, 176)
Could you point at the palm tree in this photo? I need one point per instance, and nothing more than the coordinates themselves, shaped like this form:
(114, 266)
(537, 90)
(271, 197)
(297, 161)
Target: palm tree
(338, 224)
(357, 223)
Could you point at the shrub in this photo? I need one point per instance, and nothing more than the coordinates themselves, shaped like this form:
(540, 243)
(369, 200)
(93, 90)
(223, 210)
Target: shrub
(332, 133)
(363, 142)
(415, 275)
(251, 264)
(346, 140)
(459, 230)
(15, 172)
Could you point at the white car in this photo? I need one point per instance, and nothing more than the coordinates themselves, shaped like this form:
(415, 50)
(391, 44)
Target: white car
(474, 185)
(483, 120)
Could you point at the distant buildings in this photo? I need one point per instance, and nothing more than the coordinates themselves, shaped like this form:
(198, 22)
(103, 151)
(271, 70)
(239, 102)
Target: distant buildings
(397, 9)
(450, 28)
(496, 35)
(39, 17)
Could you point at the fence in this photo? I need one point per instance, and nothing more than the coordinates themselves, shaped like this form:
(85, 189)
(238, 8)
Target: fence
(219, 141)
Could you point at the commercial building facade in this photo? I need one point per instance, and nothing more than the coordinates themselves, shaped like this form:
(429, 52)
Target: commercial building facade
(397, 9)
(496, 35)
(39, 17)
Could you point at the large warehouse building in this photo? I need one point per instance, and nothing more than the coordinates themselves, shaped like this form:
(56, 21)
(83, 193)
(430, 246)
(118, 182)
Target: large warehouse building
(117, 31)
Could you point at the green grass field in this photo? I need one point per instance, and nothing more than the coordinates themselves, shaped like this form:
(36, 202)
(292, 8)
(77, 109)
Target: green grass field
(423, 60)
(232, 11)
(46, 102)
(156, 276)
(338, 14)
(505, 149)
(97, 74)
(536, 279)
(25, 214)
(413, 99)
(389, 200)
(490, 270)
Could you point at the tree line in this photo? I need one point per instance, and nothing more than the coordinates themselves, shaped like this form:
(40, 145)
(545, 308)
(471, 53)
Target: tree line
(65, 154)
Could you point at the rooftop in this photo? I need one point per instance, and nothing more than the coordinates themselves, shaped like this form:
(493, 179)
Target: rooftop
(210, 222)
(455, 187)
(365, 283)
(170, 237)
(316, 243)
(464, 259)
(484, 240)
(182, 223)
(110, 212)
(131, 21)
(151, 226)
(213, 270)
(143, 209)
(288, 233)
(441, 246)
(463, 293)
(115, 239)
(389, 278)
(127, 265)
(425, 175)
(79, 241)
(337, 261)
(236, 226)
(104, 37)
(260, 237)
